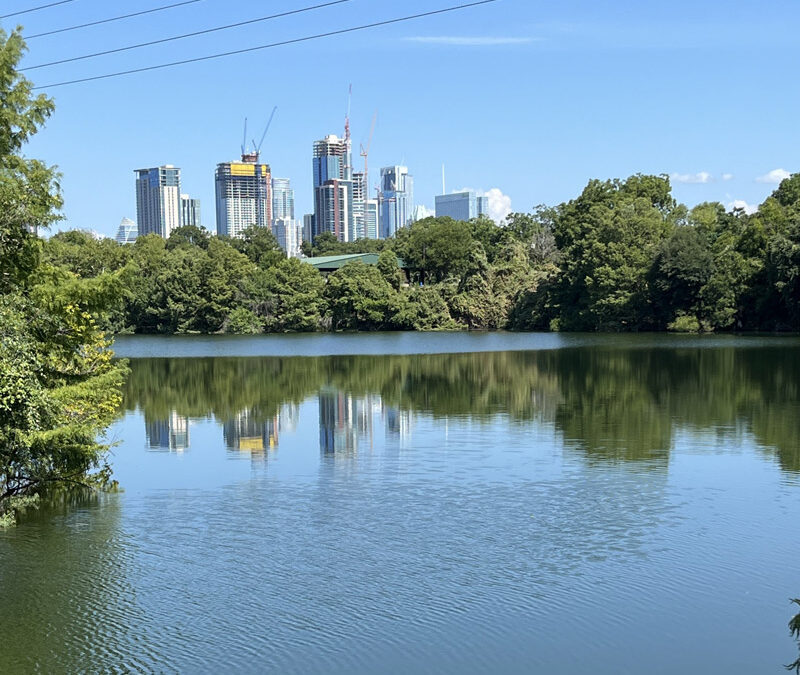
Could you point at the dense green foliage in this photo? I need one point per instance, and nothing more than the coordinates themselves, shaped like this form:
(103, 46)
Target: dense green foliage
(623, 255)
(794, 629)
(58, 385)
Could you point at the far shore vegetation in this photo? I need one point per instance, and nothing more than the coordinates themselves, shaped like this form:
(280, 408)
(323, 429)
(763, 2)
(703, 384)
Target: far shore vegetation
(622, 256)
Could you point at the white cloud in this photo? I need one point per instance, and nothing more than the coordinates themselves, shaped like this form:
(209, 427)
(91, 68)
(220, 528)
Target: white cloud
(701, 177)
(499, 204)
(469, 41)
(421, 211)
(727, 176)
(775, 176)
(741, 204)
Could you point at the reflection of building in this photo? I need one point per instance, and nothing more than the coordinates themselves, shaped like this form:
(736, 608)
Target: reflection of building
(343, 418)
(169, 434)
(399, 424)
(252, 431)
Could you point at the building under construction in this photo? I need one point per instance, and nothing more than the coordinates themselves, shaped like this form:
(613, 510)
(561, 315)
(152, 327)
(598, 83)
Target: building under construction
(244, 196)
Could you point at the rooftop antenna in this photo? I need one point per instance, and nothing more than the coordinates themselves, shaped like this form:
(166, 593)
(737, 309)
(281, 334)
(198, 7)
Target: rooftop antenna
(444, 191)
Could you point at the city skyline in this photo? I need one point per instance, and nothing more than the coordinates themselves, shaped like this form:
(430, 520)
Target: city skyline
(566, 94)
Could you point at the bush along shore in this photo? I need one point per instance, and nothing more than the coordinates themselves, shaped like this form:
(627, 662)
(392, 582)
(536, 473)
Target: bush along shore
(622, 256)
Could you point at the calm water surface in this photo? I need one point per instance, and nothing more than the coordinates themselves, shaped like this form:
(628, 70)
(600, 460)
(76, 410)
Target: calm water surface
(526, 503)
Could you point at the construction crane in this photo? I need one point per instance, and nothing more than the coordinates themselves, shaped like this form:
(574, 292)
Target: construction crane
(365, 152)
(347, 116)
(244, 137)
(252, 157)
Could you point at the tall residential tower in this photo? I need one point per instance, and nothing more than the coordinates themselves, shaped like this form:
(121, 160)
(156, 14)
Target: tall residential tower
(158, 200)
(333, 188)
(243, 195)
(395, 200)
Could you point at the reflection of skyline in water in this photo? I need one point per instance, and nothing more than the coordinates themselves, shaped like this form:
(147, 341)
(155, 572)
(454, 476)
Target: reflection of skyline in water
(170, 434)
(608, 404)
(345, 420)
(252, 431)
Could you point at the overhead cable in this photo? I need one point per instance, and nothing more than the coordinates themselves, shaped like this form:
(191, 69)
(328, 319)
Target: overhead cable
(186, 35)
(113, 18)
(36, 9)
(307, 38)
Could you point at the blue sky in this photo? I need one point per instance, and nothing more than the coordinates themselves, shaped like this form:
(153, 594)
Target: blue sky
(529, 99)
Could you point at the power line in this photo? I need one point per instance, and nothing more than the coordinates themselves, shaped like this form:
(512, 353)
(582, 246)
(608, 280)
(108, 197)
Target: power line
(114, 18)
(36, 9)
(307, 38)
(185, 35)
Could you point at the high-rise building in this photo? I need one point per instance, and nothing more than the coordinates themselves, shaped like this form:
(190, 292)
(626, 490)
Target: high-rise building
(371, 218)
(461, 205)
(333, 187)
(289, 233)
(158, 200)
(308, 227)
(395, 200)
(127, 232)
(359, 230)
(282, 199)
(483, 206)
(190, 211)
(244, 196)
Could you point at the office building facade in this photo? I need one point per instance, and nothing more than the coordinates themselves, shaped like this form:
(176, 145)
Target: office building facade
(282, 199)
(395, 200)
(371, 218)
(461, 205)
(190, 211)
(289, 233)
(126, 232)
(243, 197)
(333, 188)
(158, 193)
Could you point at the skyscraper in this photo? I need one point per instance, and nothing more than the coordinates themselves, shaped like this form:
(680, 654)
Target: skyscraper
(127, 232)
(333, 188)
(289, 233)
(359, 230)
(308, 227)
(395, 200)
(371, 218)
(190, 211)
(244, 196)
(282, 199)
(461, 205)
(158, 200)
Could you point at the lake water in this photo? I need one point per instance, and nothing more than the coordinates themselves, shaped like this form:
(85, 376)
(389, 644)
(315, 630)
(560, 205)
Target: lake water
(364, 504)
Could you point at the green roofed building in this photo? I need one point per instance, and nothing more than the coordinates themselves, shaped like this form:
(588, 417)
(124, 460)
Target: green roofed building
(330, 263)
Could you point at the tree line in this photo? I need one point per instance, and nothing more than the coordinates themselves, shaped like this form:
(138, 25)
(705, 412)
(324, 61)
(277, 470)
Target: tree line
(59, 387)
(622, 256)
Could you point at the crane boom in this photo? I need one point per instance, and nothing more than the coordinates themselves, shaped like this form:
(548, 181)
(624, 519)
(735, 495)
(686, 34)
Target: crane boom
(266, 129)
(244, 137)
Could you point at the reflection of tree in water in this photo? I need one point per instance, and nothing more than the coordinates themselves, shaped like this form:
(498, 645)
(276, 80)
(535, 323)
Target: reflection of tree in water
(615, 404)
